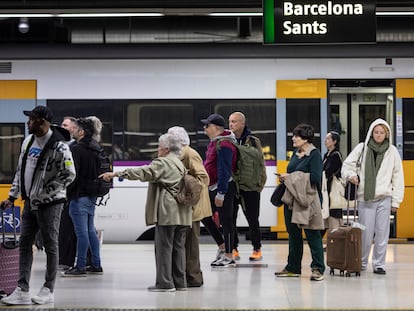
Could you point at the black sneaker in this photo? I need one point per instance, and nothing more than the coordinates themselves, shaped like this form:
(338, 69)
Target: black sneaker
(74, 272)
(380, 271)
(94, 270)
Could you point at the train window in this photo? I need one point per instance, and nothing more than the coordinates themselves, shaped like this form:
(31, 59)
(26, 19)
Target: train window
(132, 127)
(147, 120)
(11, 138)
(108, 111)
(260, 118)
(408, 128)
(303, 111)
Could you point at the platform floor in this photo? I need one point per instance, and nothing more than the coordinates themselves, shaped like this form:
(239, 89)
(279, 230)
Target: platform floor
(129, 270)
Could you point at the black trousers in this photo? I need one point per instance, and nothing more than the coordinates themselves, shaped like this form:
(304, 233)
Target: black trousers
(226, 215)
(252, 212)
(67, 239)
(211, 227)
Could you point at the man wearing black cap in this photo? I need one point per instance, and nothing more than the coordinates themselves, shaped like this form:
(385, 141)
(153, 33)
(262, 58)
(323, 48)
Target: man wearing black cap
(44, 171)
(220, 163)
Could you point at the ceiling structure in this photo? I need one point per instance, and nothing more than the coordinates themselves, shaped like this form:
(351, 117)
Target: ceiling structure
(81, 25)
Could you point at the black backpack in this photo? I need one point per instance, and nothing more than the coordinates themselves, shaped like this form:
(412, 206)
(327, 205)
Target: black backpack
(99, 187)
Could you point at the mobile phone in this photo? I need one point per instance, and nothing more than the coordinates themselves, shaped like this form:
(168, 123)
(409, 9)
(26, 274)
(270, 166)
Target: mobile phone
(277, 174)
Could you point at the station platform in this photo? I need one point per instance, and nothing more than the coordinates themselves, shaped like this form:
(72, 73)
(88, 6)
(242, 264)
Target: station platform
(130, 268)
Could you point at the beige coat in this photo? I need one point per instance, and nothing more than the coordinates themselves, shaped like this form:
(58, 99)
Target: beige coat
(304, 201)
(161, 207)
(193, 162)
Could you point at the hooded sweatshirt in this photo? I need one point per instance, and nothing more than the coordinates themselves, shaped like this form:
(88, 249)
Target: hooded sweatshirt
(390, 177)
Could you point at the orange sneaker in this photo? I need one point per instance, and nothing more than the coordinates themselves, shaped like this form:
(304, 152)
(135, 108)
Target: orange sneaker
(236, 255)
(256, 255)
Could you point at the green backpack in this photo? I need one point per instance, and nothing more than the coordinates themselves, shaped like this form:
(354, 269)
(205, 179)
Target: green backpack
(249, 165)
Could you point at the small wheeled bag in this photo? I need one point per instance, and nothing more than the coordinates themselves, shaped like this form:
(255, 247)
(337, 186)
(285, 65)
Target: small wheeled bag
(9, 256)
(343, 249)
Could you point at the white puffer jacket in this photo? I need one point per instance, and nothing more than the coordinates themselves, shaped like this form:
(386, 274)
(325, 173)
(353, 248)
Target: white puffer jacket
(390, 177)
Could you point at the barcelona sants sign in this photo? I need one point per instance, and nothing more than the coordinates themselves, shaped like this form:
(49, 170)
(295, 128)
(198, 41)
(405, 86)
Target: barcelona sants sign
(319, 21)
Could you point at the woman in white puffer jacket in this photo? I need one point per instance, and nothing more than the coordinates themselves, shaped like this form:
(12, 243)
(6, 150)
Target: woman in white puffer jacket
(376, 167)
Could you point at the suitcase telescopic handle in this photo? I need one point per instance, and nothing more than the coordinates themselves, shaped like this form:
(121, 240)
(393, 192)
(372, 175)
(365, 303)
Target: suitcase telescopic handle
(355, 203)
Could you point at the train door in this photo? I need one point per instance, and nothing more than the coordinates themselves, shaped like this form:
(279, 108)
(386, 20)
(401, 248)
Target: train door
(404, 93)
(15, 96)
(297, 101)
(354, 104)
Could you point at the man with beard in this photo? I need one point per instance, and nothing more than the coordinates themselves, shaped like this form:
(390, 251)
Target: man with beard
(44, 171)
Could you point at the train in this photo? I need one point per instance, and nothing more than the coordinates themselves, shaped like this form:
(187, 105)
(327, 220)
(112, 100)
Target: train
(139, 99)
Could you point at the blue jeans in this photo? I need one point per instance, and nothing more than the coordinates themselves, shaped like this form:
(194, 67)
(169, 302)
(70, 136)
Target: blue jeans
(82, 212)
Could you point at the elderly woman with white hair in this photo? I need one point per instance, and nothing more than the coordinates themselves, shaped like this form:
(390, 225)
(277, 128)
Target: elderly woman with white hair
(194, 164)
(171, 220)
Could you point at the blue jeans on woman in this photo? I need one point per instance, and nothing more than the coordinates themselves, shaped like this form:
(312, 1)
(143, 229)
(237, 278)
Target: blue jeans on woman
(82, 212)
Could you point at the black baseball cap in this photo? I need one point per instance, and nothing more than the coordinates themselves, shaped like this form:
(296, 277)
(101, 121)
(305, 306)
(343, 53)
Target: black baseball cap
(214, 118)
(41, 112)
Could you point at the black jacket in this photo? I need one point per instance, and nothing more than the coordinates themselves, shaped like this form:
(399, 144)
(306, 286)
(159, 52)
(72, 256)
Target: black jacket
(85, 158)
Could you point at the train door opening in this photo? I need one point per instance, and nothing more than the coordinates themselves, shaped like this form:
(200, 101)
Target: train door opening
(354, 104)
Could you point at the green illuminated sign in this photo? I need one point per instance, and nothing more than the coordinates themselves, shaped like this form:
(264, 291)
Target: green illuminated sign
(319, 21)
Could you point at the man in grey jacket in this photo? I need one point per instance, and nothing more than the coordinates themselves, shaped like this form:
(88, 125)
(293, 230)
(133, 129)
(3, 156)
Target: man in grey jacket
(44, 171)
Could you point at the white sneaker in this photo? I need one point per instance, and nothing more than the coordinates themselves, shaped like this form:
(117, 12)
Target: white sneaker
(224, 262)
(44, 296)
(18, 297)
(219, 255)
(316, 275)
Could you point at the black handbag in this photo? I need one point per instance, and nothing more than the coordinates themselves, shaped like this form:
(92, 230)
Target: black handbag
(276, 198)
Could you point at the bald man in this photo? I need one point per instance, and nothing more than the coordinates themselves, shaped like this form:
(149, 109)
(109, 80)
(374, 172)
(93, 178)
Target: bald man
(237, 124)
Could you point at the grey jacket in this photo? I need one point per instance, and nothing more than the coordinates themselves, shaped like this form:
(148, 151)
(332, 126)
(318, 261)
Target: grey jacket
(161, 207)
(54, 171)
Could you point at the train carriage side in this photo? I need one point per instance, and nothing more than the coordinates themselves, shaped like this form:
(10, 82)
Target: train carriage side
(137, 100)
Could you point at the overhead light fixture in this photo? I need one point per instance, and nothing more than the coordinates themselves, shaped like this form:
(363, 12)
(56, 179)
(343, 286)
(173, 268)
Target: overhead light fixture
(126, 14)
(229, 14)
(27, 15)
(78, 14)
(400, 13)
(24, 25)
(69, 15)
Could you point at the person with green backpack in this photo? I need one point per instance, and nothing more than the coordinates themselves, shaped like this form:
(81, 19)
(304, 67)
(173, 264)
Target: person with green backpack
(249, 193)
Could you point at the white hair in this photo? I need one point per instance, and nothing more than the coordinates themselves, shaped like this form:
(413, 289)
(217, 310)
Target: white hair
(171, 142)
(97, 127)
(181, 134)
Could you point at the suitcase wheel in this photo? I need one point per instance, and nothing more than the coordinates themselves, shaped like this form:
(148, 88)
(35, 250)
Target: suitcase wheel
(341, 273)
(332, 272)
(348, 274)
(357, 273)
